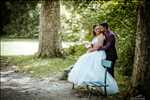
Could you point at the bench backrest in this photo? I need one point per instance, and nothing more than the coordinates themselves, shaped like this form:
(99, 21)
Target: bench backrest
(106, 63)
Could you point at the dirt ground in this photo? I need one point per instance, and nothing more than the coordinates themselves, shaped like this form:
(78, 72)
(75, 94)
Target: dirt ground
(20, 86)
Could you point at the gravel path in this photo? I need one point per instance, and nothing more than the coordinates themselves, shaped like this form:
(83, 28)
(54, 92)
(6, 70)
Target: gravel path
(19, 86)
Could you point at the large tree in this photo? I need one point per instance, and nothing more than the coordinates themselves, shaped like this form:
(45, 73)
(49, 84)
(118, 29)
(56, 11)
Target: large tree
(141, 70)
(49, 39)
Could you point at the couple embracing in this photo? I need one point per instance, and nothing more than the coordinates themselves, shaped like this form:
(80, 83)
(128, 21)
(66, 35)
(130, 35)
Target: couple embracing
(89, 68)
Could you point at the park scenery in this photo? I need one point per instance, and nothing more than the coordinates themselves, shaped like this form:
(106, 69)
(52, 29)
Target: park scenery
(40, 41)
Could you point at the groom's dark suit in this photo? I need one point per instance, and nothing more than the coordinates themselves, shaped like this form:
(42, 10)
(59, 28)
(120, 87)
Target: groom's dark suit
(109, 47)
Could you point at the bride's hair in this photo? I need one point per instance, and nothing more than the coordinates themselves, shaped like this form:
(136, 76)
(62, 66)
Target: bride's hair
(101, 30)
(93, 31)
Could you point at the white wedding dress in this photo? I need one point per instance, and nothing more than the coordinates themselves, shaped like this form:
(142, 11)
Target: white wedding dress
(88, 68)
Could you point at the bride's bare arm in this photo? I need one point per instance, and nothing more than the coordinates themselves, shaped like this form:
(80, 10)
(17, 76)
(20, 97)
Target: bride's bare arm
(95, 48)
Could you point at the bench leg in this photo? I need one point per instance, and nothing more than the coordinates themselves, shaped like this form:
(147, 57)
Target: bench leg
(105, 91)
(73, 86)
(89, 96)
(90, 92)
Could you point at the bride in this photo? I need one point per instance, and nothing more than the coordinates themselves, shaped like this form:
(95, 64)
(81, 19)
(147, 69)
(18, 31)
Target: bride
(88, 67)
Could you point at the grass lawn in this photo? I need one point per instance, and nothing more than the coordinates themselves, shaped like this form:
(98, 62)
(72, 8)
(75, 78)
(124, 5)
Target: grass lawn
(40, 67)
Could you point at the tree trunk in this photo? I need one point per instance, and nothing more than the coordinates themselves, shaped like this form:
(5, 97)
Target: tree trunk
(141, 69)
(49, 39)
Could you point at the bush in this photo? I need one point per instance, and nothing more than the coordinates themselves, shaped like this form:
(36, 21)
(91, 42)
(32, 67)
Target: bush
(76, 50)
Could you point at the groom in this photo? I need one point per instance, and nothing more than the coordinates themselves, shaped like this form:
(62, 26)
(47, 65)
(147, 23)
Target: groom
(109, 47)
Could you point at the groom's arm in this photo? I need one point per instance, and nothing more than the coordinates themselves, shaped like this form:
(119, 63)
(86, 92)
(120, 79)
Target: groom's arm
(109, 43)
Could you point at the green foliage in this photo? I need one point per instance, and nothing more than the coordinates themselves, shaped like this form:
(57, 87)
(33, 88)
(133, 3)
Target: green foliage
(123, 23)
(70, 37)
(88, 37)
(76, 50)
(23, 19)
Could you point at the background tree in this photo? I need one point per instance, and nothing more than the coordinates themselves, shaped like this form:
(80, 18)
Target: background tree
(49, 39)
(141, 70)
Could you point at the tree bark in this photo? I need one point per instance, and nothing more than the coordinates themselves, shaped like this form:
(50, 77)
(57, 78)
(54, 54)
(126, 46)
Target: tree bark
(141, 69)
(49, 39)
